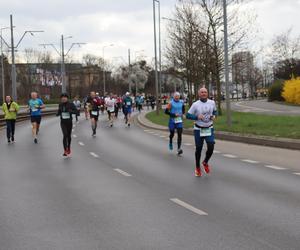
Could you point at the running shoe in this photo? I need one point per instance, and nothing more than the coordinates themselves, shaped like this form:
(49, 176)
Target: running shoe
(65, 153)
(12, 139)
(8, 141)
(179, 152)
(206, 167)
(35, 140)
(198, 172)
(68, 151)
(170, 146)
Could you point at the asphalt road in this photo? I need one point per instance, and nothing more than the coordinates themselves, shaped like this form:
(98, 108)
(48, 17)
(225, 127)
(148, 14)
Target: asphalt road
(265, 107)
(125, 190)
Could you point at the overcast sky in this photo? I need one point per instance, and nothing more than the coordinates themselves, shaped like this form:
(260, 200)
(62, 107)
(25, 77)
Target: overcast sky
(125, 23)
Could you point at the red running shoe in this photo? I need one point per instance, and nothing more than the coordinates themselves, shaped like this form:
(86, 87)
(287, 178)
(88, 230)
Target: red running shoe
(198, 172)
(206, 167)
(65, 153)
(68, 151)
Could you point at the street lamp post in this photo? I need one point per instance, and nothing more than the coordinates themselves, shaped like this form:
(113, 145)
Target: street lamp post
(104, 80)
(228, 108)
(155, 56)
(62, 55)
(2, 65)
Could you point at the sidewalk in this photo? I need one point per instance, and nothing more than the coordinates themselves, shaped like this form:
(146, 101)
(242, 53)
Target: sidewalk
(227, 136)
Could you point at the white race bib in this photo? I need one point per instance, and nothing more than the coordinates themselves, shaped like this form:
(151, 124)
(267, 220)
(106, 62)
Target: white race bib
(34, 109)
(178, 120)
(204, 132)
(128, 103)
(65, 115)
(95, 113)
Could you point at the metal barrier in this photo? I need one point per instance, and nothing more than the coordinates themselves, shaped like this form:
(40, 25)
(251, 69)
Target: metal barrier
(25, 116)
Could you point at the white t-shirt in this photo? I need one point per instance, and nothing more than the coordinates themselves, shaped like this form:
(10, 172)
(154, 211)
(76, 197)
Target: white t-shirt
(110, 104)
(206, 109)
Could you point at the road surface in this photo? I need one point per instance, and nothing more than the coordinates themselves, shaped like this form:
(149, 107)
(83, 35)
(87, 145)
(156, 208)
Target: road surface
(125, 190)
(265, 107)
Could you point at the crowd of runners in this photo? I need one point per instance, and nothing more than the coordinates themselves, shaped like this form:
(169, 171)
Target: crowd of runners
(203, 112)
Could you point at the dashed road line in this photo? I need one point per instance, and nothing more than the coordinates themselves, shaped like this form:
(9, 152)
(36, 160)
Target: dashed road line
(217, 152)
(162, 136)
(275, 167)
(188, 206)
(120, 171)
(230, 156)
(296, 174)
(81, 143)
(250, 161)
(188, 144)
(94, 155)
(74, 136)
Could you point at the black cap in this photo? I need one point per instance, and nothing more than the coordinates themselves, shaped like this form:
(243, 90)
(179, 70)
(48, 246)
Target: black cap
(64, 95)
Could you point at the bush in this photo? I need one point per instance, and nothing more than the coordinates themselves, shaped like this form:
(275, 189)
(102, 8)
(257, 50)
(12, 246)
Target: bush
(291, 91)
(275, 91)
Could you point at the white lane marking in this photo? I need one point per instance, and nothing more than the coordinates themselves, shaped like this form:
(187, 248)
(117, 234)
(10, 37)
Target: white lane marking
(81, 143)
(73, 130)
(188, 144)
(156, 134)
(250, 161)
(296, 174)
(230, 156)
(74, 126)
(120, 171)
(94, 155)
(188, 206)
(75, 136)
(162, 136)
(275, 167)
(217, 152)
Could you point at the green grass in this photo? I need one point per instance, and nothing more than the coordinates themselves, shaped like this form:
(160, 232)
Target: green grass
(247, 123)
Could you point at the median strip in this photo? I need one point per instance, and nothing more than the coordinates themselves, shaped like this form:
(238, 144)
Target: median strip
(189, 207)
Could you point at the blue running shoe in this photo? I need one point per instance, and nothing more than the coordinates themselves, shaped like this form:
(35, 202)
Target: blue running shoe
(170, 146)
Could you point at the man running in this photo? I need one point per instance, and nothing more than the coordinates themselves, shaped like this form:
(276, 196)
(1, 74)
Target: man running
(175, 109)
(77, 104)
(10, 110)
(94, 103)
(35, 106)
(127, 108)
(65, 110)
(203, 112)
(110, 106)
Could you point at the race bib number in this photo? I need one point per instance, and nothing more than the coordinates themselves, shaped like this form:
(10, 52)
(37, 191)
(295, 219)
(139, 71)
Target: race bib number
(34, 109)
(111, 109)
(204, 132)
(95, 113)
(65, 115)
(178, 120)
(128, 103)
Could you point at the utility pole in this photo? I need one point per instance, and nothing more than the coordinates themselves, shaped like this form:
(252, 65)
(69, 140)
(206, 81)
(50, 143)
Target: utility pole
(2, 65)
(12, 47)
(228, 108)
(129, 67)
(159, 45)
(62, 56)
(155, 56)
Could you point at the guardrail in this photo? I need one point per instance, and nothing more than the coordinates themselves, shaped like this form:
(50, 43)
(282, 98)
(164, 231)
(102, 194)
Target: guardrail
(25, 116)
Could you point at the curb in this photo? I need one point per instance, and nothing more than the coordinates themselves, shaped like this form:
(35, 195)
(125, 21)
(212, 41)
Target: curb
(234, 137)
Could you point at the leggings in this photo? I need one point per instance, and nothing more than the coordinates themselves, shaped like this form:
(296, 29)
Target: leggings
(199, 141)
(179, 136)
(66, 128)
(10, 128)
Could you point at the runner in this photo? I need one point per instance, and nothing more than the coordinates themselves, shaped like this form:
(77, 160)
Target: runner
(127, 108)
(118, 106)
(65, 110)
(10, 110)
(110, 105)
(35, 106)
(94, 103)
(175, 109)
(203, 112)
(77, 104)
(85, 107)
